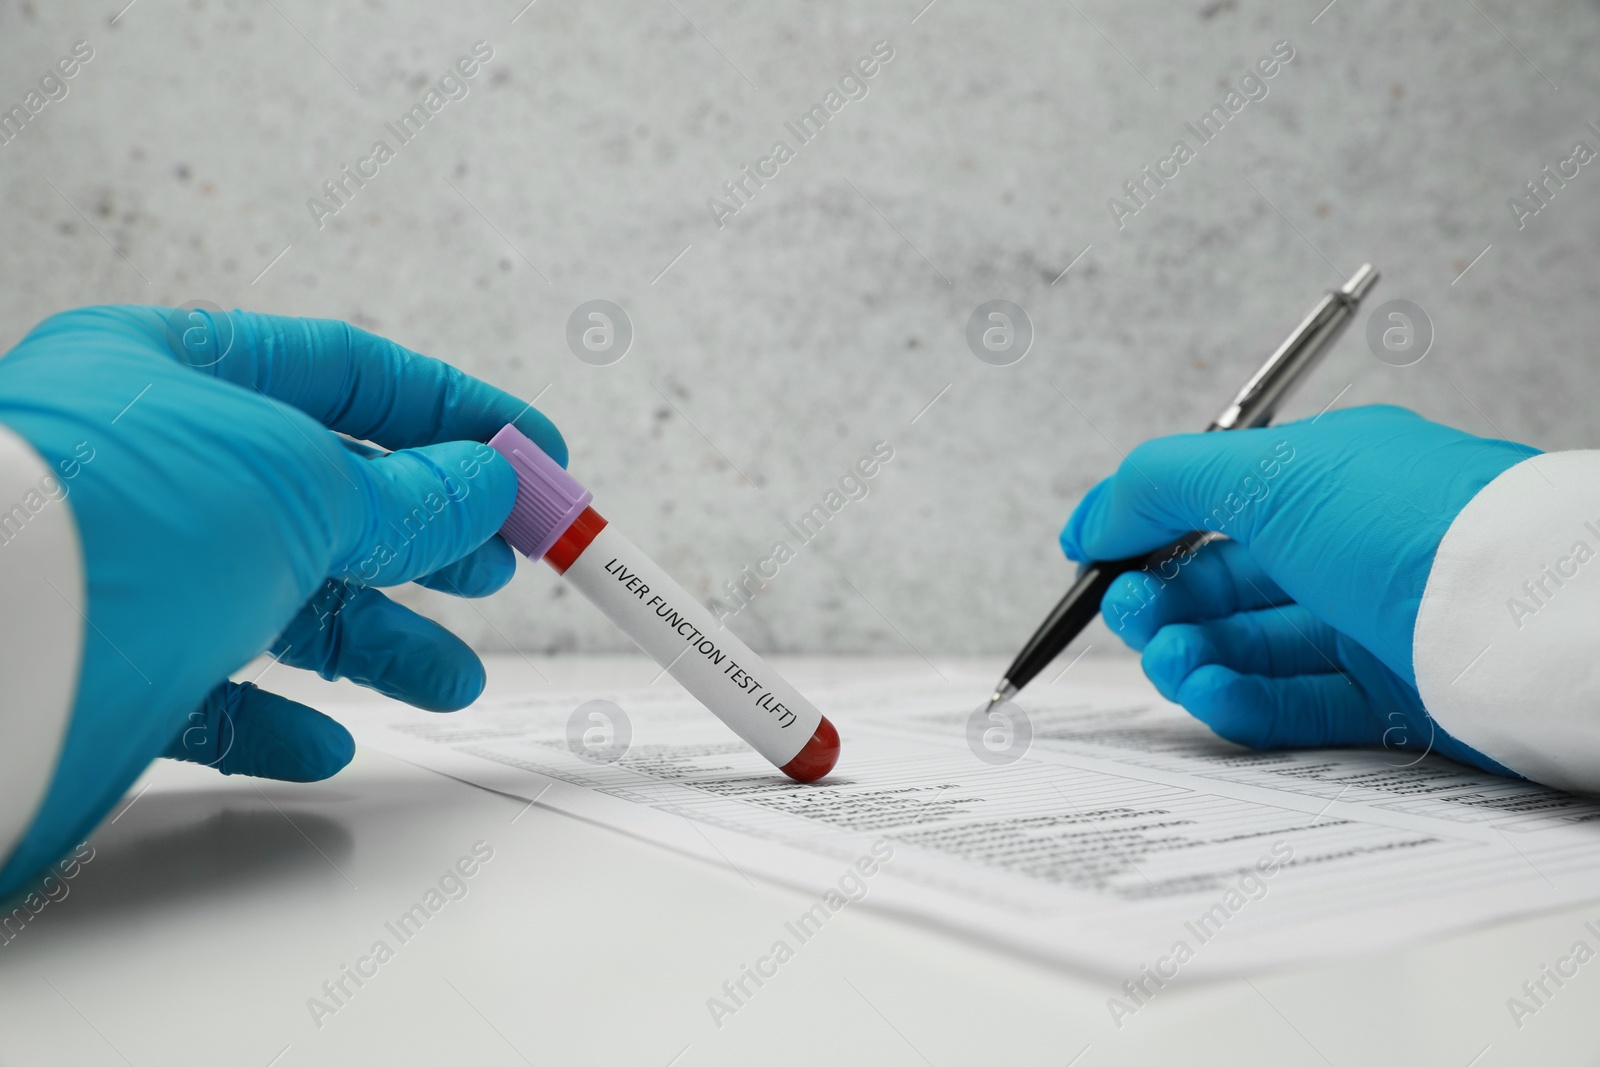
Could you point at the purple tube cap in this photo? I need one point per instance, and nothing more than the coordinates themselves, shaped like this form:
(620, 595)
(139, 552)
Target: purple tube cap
(548, 498)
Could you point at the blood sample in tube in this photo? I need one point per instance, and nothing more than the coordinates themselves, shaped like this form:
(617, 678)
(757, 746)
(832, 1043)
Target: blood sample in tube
(553, 520)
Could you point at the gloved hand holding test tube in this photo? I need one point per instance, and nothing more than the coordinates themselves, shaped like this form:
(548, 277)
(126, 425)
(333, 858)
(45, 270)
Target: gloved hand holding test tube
(552, 520)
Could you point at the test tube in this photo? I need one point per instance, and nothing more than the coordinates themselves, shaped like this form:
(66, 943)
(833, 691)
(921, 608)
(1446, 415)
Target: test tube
(552, 520)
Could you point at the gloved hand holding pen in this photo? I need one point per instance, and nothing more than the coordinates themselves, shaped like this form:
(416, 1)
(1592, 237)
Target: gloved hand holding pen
(218, 514)
(1300, 629)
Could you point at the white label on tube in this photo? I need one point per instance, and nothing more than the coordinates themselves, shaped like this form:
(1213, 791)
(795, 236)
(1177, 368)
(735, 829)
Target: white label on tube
(682, 635)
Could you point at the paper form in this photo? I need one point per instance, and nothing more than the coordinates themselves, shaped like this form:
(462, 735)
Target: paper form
(1126, 829)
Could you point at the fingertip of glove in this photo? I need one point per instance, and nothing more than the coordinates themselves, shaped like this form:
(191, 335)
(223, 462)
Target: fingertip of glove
(442, 672)
(1123, 608)
(1236, 707)
(297, 744)
(1168, 660)
(1212, 683)
(325, 755)
(1068, 540)
(466, 684)
(456, 493)
(482, 572)
(1082, 523)
(1071, 537)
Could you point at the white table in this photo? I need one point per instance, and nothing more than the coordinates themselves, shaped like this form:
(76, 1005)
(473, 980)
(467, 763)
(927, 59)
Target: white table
(215, 907)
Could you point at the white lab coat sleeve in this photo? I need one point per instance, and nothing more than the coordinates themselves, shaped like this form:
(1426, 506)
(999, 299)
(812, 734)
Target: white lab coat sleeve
(1507, 642)
(42, 620)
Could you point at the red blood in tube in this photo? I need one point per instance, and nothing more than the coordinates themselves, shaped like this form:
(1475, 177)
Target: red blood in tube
(817, 757)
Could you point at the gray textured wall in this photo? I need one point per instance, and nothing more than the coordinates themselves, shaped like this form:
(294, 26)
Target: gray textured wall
(827, 313)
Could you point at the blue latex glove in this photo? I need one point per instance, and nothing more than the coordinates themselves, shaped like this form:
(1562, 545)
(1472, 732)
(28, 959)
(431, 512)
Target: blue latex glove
(221, 516)
(1297, 631)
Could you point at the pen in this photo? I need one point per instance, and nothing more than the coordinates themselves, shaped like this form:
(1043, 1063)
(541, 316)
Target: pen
(1253, 407)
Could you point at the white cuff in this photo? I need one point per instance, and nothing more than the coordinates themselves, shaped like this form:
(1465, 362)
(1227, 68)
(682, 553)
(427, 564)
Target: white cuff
(41, 629)
(1507, 644)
